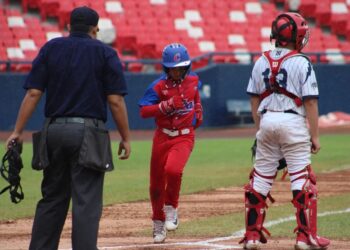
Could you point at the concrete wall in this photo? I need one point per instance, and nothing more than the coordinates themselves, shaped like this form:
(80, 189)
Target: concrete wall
(221, 82)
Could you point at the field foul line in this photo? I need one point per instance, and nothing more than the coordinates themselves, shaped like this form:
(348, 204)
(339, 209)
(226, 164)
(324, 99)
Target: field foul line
(344, 167)
(209, 244)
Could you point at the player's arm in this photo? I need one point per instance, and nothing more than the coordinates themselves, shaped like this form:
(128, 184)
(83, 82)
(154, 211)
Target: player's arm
(29, 103)
(120, 116)
(149, 104)
(166, 107)
(254, 103)
(150, 111)
(311, 108)
(198, 109)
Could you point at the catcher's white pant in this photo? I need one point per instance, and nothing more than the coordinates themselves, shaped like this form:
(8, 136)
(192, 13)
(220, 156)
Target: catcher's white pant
(281, 135)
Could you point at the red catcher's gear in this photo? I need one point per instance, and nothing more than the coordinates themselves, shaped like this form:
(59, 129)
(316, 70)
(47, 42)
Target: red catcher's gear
(259, 208)
(275, 65)
(306, 204)
(288, 28)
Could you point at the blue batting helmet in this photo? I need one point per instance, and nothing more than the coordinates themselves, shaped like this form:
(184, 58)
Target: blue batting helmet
(175, 55)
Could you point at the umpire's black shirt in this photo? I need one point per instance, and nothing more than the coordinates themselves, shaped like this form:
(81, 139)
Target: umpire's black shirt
(78, 73)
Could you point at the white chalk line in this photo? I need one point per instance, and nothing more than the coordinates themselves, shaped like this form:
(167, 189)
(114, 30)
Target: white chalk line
(208, 244)
(344, 167)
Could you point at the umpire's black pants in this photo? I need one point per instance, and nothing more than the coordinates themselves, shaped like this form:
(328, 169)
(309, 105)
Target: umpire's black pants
(65, 179)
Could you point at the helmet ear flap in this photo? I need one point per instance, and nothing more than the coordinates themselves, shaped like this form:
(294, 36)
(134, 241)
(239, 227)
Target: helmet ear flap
(165, 69)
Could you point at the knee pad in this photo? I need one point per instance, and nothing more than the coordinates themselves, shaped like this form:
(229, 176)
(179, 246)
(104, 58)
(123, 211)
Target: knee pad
(261, 183)
(298, 178)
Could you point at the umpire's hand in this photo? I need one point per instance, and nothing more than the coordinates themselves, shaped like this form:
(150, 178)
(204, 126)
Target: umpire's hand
(13, 137)
(124, 150)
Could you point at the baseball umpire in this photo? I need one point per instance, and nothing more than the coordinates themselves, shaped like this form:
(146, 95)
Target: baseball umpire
(80, 75)
(173, 101)
(284, 95)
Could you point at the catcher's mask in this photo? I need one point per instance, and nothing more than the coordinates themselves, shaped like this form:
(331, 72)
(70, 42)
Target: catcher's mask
(175, 55)
(10, 169)
(288, 28)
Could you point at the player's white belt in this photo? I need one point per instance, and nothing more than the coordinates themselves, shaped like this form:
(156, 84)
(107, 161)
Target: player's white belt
(173, 133)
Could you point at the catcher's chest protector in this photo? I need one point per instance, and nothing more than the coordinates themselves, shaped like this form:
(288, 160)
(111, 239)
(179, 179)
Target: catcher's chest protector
(275, 65)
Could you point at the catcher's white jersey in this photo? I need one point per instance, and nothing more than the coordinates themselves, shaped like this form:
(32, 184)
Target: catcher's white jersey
(296, 75)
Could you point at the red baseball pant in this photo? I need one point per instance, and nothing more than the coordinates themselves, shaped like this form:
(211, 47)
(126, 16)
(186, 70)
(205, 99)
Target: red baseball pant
(169, 157)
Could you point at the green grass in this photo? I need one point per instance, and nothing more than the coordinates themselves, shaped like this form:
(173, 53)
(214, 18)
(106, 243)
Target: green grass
(213, 164)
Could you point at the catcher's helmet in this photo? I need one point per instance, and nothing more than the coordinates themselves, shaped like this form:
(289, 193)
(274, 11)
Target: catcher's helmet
(290, 27)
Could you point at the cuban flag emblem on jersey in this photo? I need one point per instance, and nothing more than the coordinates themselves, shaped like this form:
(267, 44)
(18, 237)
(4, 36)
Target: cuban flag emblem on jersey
(177, 57)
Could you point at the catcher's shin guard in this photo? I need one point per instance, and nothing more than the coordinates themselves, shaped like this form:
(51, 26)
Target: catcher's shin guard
(255, 206)
(305, 201)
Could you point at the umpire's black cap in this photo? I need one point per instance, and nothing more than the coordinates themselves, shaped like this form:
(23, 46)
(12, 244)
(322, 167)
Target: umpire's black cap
(81, 18)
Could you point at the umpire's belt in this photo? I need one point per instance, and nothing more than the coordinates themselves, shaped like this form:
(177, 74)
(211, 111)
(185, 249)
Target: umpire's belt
(81, 120)
(174, 133)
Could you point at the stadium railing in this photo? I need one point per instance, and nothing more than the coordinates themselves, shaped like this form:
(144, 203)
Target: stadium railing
(197, 62)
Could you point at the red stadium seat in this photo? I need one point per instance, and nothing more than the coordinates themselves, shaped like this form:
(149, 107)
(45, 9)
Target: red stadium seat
(339, 23)
(3, 54)
(345, 47)
(143, 28)
(20, 67)
(200, 63)
(63, 14)
(131, 66)
(323, 13)
(307, 8)
(20, 33)
(30, 4)
(49, 8)
(10, 42)
(3, 67)
(30, 54)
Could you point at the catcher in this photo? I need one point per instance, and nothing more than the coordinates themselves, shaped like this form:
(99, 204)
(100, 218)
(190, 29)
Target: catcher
(173, 101)
(284, 94)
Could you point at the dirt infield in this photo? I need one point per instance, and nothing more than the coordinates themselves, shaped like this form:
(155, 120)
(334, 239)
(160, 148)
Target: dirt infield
(121, 223)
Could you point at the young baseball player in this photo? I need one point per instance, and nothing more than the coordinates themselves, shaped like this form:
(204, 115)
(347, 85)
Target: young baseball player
(173, 101)
(284, 95)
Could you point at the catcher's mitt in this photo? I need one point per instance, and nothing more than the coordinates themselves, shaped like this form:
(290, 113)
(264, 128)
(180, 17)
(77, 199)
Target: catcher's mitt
(10, 168)
(281, 163)
(253, 149)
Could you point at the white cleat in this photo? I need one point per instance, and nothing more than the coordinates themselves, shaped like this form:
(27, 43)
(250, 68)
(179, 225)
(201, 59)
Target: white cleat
(252, 240)
(159, 231)
(171, 221)
(252, 245)
(304, 242)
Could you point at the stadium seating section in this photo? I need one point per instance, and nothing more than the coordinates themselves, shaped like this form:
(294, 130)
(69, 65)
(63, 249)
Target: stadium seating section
(144, 27)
